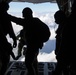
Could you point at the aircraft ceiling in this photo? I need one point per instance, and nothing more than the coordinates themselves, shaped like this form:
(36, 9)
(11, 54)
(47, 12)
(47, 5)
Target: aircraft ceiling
(62, 4)
(31, 1)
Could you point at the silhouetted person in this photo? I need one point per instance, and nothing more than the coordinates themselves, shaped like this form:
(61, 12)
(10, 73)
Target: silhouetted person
(60, 18)
(5, 57)
(62, 65)
(34, 31)
(72, 38)
(67, 52)
(22, 42)
(6, 23)
(6, 27)
(3, 42)
(5, 52)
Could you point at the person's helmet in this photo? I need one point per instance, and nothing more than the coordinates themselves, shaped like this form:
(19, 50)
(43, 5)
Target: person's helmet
(27, 12)
(59, 16)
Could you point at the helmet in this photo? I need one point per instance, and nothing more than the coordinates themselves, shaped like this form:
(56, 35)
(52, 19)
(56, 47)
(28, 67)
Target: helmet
(27, 12)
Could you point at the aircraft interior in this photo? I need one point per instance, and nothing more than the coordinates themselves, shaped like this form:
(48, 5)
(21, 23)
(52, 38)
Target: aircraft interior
(45, 68)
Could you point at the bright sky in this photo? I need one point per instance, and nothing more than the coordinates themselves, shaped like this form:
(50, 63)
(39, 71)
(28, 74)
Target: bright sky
(41, 7)
(46, 53)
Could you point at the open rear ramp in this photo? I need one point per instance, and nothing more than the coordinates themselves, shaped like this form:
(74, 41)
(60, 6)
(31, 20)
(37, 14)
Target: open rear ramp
(19, 68)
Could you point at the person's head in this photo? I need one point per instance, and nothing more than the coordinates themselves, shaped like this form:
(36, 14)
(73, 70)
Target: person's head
(4, 6)
(59, 16)
(27, 12)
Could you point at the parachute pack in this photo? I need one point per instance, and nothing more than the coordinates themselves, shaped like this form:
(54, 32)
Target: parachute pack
(44, 31)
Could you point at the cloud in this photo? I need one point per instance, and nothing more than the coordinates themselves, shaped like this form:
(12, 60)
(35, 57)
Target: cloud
(42, 57)
(45, 57)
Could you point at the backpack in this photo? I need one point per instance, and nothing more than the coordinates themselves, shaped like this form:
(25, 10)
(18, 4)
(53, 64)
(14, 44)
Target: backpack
(37, 31)
(44, 32)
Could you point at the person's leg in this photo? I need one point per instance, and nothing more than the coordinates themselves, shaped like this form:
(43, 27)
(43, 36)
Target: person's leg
(66, 70)
(30, 61)
(61, 69)
(5, 62)
(58, 69)
(73, 68)
(29, 64)
(20, 46)
(35, 64)
(0, 66)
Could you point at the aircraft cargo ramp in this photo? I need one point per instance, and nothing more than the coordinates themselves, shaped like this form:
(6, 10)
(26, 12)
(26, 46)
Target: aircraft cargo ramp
(19, 68)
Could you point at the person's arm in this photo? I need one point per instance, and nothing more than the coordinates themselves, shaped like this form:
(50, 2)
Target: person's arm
(12, 34)
(17, 20)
